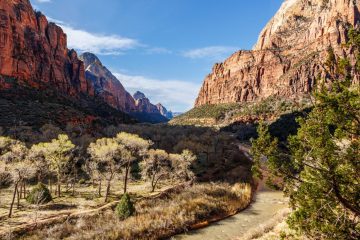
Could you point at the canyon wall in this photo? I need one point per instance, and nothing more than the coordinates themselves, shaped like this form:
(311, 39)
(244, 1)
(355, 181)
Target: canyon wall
(35, 52)
(288, 58)
(34, 57)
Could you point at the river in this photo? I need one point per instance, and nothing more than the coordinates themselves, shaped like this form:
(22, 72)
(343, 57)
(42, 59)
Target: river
(267, 204)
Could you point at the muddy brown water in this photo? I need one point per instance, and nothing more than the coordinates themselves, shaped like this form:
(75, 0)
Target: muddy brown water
(267, 204)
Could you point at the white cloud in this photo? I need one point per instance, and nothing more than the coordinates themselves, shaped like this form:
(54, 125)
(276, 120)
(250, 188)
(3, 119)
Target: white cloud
(158, 50)
(85, 41)
(213, 52)
(173, 94)
(43, 1)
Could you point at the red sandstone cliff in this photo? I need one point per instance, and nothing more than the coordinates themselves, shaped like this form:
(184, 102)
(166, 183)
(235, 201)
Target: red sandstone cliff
(287, 59)
(35, 51)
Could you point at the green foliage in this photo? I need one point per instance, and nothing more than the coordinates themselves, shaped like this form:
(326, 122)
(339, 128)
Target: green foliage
(211, 111)
(82, 181)
(320, 164)
(39, 195)
(125, 207)
(135, 170)
(226, 113)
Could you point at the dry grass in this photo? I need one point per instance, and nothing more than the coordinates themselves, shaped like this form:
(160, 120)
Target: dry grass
(157, 218)
(85, 199)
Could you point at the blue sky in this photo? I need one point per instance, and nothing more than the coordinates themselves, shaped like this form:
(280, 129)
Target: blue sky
(164, 48)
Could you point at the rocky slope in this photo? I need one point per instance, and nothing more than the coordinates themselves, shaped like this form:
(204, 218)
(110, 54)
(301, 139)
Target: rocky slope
(289, 55)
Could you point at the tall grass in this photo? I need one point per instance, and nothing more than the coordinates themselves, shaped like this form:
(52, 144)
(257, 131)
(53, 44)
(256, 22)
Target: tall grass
(157, 218)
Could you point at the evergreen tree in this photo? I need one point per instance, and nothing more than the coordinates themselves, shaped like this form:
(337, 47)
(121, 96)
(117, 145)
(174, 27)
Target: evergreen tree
(125, 207)
(320, 165)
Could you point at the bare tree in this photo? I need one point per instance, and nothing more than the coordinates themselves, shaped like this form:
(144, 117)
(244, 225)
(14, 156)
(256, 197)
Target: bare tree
(157, 166)
(182, 165)
(134, 148)
(105, 153)
(20, 168)
(57, 154)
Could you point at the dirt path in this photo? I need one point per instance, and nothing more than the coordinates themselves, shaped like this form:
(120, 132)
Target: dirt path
(267, 204)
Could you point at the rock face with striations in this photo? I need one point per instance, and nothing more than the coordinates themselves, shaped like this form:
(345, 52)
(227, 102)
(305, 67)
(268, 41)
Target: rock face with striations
(289, 55)
(35, 51)
(106, 85)
(143, 103)
(34, 57)
(164, 111)
(110, 89)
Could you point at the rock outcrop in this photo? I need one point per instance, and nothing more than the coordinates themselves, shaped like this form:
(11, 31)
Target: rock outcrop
(106, 85)
(35, 52)
(163, 111)
(288, 58)
(143, 104)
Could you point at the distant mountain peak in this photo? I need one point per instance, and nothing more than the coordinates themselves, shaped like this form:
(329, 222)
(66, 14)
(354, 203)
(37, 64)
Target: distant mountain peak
(89, 59)
(164, 111)
(139, 95)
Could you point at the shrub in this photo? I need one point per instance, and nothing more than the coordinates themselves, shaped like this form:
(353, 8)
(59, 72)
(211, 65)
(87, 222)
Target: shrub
(39, 195)
(5, 180)
(125, 208)
(82, 181)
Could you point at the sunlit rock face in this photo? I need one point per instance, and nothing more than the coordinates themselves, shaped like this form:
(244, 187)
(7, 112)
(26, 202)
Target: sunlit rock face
(163, 111)
(288, 58)
(106, 85)
(35, 51)
(143, 103)
(109, 88)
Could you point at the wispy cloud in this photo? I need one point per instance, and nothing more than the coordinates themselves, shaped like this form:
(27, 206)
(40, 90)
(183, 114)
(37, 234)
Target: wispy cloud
(158, 50)
(100, 44)
(213, 52)
(173, 94)
(43, 1)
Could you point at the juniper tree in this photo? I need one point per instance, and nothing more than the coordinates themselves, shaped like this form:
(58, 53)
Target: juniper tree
(320, 165)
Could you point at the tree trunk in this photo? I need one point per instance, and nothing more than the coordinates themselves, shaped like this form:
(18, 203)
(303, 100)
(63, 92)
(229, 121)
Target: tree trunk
(126, 178)
(24, 190)
(21, 190)
(13, 200)
(50, 185)
(73, 189)
(58, 188)
(18, 196)
(99, 187)
(153, 185)
(107, 190)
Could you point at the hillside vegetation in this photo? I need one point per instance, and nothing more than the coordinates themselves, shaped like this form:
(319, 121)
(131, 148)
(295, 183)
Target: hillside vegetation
(227, 114)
